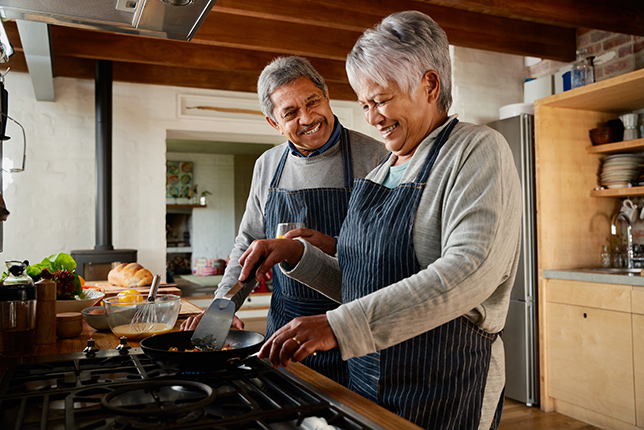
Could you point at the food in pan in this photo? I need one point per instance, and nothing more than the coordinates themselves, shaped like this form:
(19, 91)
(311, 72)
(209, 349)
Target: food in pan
(226, 347)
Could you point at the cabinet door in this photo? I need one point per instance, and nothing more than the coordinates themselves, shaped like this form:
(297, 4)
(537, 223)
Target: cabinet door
(590, 359)
(638, 356)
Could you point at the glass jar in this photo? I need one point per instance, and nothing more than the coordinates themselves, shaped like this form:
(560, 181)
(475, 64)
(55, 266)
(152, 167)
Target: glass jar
(17, 310)
(605, 256)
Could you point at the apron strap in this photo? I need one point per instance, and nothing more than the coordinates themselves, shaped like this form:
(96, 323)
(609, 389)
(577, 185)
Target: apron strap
(431, 157)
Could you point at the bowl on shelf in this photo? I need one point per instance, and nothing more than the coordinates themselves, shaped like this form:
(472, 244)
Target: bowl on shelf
(602, 135)
(95, 317)
(120, 311)
(85, 300)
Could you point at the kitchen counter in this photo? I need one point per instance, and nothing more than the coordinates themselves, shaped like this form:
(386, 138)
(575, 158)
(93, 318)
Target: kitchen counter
(587, 275)
(105, 340)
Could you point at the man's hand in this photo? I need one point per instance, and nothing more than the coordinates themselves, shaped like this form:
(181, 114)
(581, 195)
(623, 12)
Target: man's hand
(271, 252)
(324, 242)
(191, 323)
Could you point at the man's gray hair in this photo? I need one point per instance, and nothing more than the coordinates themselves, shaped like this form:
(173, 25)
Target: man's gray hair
(282, 71)
(400, 50)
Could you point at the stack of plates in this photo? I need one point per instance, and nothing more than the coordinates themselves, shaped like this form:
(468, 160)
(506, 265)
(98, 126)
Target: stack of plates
(620, 170)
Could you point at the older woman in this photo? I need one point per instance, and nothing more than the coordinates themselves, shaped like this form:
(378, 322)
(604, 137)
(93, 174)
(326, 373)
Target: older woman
(428, 252)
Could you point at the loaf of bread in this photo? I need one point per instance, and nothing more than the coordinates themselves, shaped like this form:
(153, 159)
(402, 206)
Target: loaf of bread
(130, 275)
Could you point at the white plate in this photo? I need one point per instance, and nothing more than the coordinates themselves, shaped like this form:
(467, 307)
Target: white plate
(88, 298)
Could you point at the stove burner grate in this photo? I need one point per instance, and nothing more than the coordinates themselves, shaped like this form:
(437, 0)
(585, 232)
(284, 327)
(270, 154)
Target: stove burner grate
(158, 398)
(113, 392)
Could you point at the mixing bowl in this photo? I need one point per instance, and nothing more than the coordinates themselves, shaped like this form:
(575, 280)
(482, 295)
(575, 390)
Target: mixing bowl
(119, 313)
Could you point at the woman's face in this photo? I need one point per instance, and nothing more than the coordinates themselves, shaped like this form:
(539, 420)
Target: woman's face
(402, 119)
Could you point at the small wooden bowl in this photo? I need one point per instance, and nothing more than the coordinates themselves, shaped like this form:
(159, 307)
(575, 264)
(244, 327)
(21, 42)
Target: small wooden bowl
(601, 135)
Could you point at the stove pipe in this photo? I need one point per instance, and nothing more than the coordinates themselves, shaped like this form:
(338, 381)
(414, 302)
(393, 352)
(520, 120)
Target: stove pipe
(103, 107)
(95, 264)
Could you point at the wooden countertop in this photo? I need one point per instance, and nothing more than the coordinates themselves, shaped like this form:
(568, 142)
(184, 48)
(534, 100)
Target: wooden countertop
(106, 340)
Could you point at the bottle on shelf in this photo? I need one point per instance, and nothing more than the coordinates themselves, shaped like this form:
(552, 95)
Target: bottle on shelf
(583, 71)
(578, 70)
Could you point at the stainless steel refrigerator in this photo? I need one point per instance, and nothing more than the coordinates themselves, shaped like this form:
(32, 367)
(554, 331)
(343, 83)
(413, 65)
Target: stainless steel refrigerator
(520, 333)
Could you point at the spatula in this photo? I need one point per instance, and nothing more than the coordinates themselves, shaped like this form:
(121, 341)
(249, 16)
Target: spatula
(213, 328)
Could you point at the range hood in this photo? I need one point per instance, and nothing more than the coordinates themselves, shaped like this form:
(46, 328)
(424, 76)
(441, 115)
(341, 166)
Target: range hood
(169, 19)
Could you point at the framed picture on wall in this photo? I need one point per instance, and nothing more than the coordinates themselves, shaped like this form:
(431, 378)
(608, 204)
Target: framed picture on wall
(179, 179)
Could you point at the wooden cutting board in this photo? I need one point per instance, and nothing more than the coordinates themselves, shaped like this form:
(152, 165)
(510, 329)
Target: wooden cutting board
(112, 290)
(187, 309)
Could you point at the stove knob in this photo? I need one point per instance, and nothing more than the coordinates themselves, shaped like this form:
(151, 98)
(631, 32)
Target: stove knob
(90, 350)
(123, 348)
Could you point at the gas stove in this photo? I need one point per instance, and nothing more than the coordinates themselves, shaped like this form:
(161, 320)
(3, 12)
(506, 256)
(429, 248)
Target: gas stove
(111, 390)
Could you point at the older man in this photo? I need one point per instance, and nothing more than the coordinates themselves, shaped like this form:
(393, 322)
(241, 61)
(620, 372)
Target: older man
(307, 179)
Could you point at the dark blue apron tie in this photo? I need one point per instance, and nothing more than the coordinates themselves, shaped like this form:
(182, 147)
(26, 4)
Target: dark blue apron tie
(321, 209)
(436, 379)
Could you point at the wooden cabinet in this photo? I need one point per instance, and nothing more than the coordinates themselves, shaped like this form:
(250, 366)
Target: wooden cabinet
(590, 349)
(638, 352)
(589, 365)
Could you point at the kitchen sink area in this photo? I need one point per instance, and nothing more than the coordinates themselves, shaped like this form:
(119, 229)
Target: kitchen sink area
(635, 271)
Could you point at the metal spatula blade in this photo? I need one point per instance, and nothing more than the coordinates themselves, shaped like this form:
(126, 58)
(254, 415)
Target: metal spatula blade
(212, 330)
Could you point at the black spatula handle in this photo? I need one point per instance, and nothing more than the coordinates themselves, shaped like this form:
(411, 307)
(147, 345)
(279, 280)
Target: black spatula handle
(253, 272)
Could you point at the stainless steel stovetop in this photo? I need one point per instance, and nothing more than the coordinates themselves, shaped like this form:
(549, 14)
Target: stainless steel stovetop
(129, 391)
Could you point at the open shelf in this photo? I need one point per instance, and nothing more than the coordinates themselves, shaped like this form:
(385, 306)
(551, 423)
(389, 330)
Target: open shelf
(618, 192)
(635, 145)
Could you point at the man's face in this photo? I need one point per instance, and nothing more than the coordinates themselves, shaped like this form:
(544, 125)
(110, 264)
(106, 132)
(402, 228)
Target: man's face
(302, 114)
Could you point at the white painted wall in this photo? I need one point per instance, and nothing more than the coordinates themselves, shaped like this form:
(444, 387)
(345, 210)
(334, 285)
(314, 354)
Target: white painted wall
(52, 203)
(484, 81)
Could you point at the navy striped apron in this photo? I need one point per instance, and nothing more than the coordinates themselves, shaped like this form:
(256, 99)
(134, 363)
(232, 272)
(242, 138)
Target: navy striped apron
(321, 209)
(436, 379)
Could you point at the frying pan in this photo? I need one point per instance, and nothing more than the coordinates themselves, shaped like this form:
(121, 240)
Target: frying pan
(243, 342)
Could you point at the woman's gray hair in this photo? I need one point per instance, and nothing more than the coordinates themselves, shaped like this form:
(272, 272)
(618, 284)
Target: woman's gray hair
(282, 71)
(400, 50)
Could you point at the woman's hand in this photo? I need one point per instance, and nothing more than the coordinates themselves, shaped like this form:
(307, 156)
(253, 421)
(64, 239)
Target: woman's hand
(191, 323)
(298, 339)
(272, 252)
(325, 242)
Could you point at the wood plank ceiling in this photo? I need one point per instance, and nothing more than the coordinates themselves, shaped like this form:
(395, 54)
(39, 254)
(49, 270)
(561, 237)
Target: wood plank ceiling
(240, 37)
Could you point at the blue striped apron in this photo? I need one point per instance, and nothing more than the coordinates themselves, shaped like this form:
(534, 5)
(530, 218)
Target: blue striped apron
(321, 209)
(436, 379)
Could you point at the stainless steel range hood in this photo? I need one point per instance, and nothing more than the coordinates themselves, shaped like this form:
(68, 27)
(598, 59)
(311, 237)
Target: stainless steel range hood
(169, 19)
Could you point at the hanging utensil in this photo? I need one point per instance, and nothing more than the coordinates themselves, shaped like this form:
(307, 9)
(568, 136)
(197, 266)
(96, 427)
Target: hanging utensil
(145, 318)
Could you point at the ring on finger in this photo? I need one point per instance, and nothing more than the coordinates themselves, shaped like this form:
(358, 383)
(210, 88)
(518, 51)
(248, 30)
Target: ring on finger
(296, 340)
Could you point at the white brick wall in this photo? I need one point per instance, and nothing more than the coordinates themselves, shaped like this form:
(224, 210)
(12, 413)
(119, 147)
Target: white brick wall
(53, 202)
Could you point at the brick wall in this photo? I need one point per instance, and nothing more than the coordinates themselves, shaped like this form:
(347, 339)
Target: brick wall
(621, 53)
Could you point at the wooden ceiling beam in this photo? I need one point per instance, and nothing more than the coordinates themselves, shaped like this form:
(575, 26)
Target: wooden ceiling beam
(617, 16)
(82, 68)
(349, 19)
(73, 42)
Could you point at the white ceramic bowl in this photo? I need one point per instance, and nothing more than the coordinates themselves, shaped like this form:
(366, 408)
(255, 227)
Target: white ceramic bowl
(87, 298)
